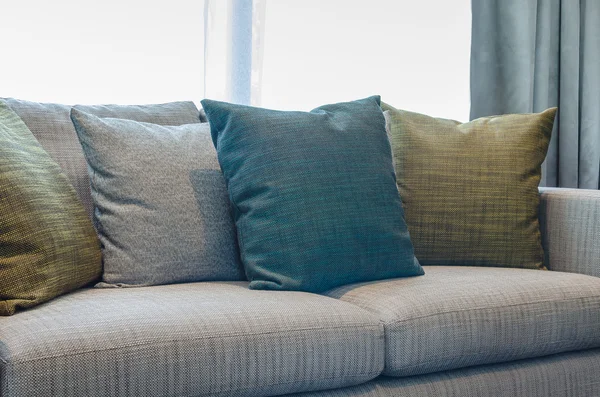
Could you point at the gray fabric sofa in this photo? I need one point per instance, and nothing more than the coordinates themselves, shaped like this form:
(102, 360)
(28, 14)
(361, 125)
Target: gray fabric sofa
(457, 331)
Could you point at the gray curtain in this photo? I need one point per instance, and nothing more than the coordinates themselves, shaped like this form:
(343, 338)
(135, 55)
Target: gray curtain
(529, 55)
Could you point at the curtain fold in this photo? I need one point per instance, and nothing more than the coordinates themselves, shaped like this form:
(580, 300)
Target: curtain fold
(528, 55)
(233, 50)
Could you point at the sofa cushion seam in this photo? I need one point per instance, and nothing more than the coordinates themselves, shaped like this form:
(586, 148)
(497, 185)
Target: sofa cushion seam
(578, 348)
(484, 308)
(376, 327)
(371, 373)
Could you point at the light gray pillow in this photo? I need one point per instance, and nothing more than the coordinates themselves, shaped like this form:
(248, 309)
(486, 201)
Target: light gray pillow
(161, 203)
(51, 124)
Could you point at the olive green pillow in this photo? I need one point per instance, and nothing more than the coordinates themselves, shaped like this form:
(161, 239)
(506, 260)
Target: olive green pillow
(48, 245)
(470, 190)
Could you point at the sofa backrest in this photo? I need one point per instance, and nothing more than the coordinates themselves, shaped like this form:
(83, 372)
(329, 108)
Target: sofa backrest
(51, 124)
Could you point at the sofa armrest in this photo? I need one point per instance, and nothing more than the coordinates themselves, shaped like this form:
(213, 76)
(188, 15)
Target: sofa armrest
(570, 225)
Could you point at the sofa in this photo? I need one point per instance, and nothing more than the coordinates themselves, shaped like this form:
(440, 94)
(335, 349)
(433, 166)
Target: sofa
(456, 331)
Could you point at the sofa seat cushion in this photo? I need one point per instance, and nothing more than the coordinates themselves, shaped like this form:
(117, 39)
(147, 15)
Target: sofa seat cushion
(457, 317)
(572, 374)
(208, 339)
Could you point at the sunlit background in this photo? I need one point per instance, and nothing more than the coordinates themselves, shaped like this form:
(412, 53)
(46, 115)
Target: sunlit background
(414, 54)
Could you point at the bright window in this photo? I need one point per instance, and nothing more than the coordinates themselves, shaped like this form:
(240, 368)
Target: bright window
(415, 54)
(102, 51)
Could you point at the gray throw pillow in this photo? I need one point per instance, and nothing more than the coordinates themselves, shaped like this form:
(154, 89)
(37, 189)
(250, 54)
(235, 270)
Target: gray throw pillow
(51, 124)
(162, 209)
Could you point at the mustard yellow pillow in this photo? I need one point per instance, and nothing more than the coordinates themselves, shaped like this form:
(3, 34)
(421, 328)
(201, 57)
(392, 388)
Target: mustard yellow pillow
(470, 190)
(48, 245)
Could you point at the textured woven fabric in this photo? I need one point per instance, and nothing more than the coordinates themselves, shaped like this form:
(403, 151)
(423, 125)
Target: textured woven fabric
(564, 375)
(457, 317)
(314, 194)
(570, 224)
(196, 339)
(470, 191)
(48, 245)
(172, 113)
(51, 124)
(162, 210)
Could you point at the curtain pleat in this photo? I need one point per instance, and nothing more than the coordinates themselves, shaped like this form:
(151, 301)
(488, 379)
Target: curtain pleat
(528, 55)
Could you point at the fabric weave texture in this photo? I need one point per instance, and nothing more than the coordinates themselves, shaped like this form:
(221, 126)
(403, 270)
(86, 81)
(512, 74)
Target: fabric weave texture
(570, 224)
(470, 190)
(162, 209)
(459, 316)
(194, 339)
(51, 124)
(561, 375)
(48, 245)
(314, 194)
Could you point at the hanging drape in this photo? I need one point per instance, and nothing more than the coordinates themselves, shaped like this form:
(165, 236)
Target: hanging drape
(233, 50)
(528, 55)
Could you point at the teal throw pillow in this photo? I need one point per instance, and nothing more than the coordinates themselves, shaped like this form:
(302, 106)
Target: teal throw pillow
(314, 194)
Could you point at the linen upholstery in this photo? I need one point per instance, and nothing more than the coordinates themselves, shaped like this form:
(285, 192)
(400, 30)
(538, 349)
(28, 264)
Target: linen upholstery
(51, 124)
(48, 245)
(172, 113)
(470, 190)
(456, 317)
(573, 374)
(570, 224)
(162, 210)
(195, 339)
(314, 194)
